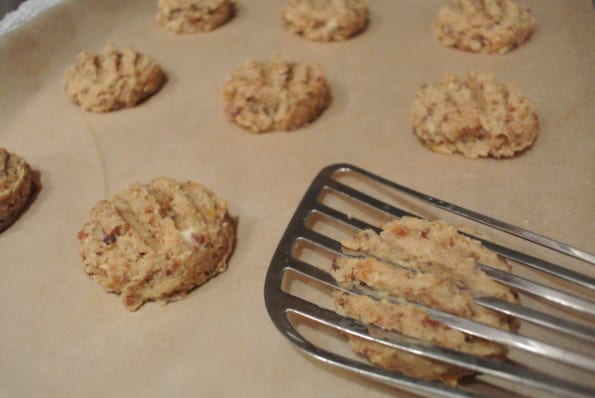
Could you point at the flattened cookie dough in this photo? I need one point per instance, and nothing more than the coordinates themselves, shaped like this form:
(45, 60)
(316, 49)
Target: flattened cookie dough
(326, 20)
(113, 79)
(475, 116)
(484, 26)
(193, 16)
(16, 184)
(425, 262)
(157, 241)
(276, 95)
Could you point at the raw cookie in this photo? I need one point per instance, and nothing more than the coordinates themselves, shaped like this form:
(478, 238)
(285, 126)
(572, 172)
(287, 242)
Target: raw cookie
(16, 183)
(485, 26)
(157, 241)
(426, 262)
(192, 16)
(326, 20)
(112, 80)
(475, 116)
(276, 95)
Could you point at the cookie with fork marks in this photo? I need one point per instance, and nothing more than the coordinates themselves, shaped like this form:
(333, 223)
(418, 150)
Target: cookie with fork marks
(414, 262)
(157, 241)
(16, 185)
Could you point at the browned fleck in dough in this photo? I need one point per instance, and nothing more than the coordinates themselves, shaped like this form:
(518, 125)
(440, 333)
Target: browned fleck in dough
(157, 241)
(484, 26)
(426, 262)
(276, 95)
(326, 20)
(475, 116)
(113, 79)
(16, 183)
(193, 16)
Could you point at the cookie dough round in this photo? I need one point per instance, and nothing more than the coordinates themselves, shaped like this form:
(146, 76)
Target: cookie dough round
(475, 116)
(276, 95)
(16, 184)
(490, 26)
(193, 16)
(113, 79)
(425, 262)
(157, 241)
(326, 20)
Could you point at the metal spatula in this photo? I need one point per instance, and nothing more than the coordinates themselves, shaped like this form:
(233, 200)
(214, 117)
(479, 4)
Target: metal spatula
(553, 353)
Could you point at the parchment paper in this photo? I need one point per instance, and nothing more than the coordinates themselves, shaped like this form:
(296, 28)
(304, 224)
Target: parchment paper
(62, 336)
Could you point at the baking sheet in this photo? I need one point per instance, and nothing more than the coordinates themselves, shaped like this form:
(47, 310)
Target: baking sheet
(63, 336)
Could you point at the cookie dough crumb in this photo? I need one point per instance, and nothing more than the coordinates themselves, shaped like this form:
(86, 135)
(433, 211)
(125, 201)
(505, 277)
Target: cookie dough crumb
(484, 26)
(193, 16)
(113, 79)
(475, 116)
(275, 95)
(16, 184)
(426, 262)
(157, 241)
(326, 20)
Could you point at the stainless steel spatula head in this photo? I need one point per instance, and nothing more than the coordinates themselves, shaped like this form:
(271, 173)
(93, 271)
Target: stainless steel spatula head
(551, 355)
